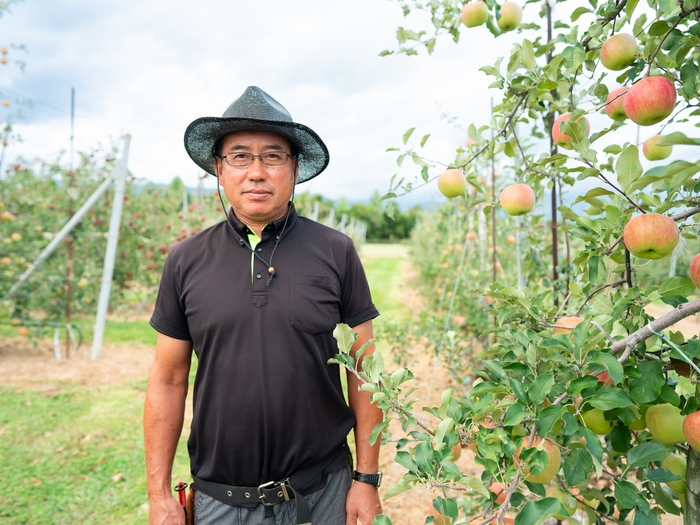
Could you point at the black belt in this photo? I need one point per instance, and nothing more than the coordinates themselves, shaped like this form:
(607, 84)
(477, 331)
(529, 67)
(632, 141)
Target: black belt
(272, 492)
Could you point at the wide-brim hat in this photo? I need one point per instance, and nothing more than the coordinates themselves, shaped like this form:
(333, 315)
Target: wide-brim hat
(255, 110)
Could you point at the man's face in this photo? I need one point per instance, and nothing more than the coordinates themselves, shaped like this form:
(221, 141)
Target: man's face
(258, 193)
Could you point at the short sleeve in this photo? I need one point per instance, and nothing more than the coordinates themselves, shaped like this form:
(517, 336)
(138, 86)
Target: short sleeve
(169, 314)
(356, 306)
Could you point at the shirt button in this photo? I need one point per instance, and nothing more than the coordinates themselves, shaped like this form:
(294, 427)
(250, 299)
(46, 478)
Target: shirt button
(258, 276)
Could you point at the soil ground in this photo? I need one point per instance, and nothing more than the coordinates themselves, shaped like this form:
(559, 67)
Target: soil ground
(35, 368)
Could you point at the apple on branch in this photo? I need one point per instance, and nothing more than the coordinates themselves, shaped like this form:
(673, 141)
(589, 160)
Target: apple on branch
(694, 270)
(677, 465)
(650, 100)
(510, 15)
(651, 236)
(552, 468)
(653, 151)
(691, 430)
(665, 423)
(561, 138)
(566, 324)
(619, 51)
(474, 14)
(452, 183)
(614, 104)
(517, 199)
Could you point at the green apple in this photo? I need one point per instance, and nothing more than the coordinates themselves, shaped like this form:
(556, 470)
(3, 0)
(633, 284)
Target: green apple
(474, 14)
(509, 16)
(452, 183)
(653, 151)
(594, 420)
(651, 236)
(619, 51)
(567, 500)
(665, 423)
(677, 465)
(517, 199)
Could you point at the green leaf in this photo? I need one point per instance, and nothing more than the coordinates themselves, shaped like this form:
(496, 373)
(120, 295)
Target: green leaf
(677, 286)
(641, 455)
(581, 383)
(424, 140)
(577, 466)
(528, 54)
(628, 168)
(615, 370)
(608, 398)
(578, 12)
(645, 517)
(548, 417)
(595, 192)
(659, 28)
(662, 475)
(626, 494)
(344, 337)
(593, 444)
(383, 519)
(515, 414)
(648, 387)
(445, 426)
(541, 387)
(689, 78)
(408, 134)
(536, 512)
(678, 138)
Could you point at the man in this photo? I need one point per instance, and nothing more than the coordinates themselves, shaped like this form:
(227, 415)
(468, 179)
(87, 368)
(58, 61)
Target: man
(257, 297)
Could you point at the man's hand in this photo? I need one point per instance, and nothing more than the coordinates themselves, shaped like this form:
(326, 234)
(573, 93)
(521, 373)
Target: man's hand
(166, 511)
(362, 504)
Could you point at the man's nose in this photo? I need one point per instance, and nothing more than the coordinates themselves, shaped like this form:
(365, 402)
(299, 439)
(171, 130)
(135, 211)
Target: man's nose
(257, 169)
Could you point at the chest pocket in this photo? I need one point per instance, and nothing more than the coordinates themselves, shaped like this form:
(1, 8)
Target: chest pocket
(314, 303)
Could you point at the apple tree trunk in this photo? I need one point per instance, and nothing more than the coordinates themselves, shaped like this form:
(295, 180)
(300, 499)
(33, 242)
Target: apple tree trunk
(692, 491)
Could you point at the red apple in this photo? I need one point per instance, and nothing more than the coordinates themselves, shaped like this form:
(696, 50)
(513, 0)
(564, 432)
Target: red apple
(471, 236)
(499, 490)
(618, 51)
(452, 183)
(510, 239)
(650, 100)
(562, 139)
(517, 199)
(691, 430)
(651, 236)
(653, 151)
(509, 16)
(614, 104)
(665, 423)
(474, 14)
(565, 325)
(694, 270)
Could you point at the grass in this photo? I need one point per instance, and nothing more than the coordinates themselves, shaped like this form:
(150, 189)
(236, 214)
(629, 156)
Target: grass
(76, 455)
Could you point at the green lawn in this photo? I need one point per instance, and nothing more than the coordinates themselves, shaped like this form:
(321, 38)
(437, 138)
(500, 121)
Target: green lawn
(75, 456)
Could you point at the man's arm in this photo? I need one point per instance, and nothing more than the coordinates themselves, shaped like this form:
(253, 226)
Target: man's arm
(363, 499)
(163, 415)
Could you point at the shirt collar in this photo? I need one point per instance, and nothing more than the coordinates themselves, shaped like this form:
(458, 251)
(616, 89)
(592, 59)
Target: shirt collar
(274, 227)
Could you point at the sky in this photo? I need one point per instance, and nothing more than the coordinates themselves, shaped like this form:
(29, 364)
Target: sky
(151, 68)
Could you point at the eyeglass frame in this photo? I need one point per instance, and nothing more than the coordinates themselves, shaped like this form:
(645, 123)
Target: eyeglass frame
(253, 157)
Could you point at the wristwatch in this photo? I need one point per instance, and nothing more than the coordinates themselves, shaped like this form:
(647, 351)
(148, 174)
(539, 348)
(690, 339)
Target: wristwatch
(370, 479)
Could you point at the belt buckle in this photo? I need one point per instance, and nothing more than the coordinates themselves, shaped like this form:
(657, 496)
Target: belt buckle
(282, 493)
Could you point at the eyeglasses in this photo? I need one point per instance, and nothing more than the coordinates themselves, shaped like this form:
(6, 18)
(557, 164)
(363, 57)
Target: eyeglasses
(243, 160)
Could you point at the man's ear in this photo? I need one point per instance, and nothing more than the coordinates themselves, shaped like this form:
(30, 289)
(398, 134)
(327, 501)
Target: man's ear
(296, 171)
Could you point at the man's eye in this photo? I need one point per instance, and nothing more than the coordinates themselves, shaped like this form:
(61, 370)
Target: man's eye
(240, 156)
(273, 156)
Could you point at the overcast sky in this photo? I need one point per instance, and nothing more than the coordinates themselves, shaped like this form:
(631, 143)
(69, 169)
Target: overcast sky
(150, 68)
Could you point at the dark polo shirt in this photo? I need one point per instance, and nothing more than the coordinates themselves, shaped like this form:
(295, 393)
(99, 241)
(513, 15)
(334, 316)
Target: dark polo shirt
(266, 402)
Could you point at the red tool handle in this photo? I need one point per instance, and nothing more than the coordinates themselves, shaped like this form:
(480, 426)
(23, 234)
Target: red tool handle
(180, 489)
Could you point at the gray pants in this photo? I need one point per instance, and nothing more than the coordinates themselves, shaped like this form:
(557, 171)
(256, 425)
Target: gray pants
(327, 507)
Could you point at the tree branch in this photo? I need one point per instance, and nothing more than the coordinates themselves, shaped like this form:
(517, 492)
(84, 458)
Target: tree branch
(677, 314)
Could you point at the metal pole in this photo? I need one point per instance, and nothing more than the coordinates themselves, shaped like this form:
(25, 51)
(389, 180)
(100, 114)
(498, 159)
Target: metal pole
(111, 253)
(61, 235)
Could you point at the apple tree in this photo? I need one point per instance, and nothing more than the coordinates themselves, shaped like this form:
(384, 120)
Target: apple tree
(582, 401)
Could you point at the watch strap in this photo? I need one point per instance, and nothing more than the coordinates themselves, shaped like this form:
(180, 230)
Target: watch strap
(371, 479)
